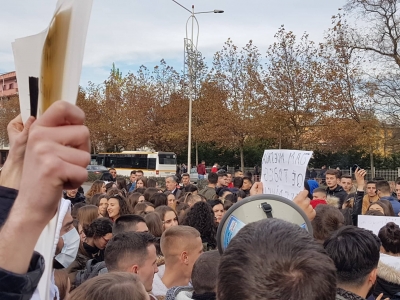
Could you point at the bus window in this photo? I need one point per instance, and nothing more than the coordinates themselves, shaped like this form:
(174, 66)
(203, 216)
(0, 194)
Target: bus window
(167, 159)
(152, 163)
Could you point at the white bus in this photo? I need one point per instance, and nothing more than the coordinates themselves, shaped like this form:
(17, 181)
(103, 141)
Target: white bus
(157, 164)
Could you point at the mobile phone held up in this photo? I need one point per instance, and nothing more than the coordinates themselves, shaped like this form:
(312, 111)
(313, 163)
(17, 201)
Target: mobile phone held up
(355, 167)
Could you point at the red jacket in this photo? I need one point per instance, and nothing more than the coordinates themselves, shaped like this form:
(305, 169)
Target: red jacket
(201, 169)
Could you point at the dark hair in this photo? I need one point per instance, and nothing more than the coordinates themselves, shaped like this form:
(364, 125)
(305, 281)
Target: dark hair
(121, 183)
(116, 285)
(109, 186)
(212, 178)
(133, 172)
(374, 213)
(75, 208)
(126, 223)
(154, 223)
(159, 199)
(142, 179)
(227, 203)
(185, 175)
(205, 272)
(139, 171)
(371, 182)
(124, 209)
(355, 252)
(127, 244)
(215, 202)
(237, 182)
(162, 210)
(98, 228)
(333, 172)
(275, 259)
(140, 190)
(201, 217)
(221, 174)
(386, 206)
(327, 220)
(346, 176)
(190, 188)
(149, 192)
(133, 199)
(141, 207)
(320, 190)
(180, 209)
(106, 177)
(95, 200)
(151, 183)
(383, 186)
(241, 194)
(390, 237)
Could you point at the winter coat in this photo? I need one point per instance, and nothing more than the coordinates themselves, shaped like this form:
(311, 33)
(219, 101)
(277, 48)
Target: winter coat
(78, 198)
(338, 192)
(346, 295)
(388, 281)
(93, 269)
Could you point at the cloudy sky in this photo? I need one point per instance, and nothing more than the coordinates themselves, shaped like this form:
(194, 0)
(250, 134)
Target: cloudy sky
(142, 32)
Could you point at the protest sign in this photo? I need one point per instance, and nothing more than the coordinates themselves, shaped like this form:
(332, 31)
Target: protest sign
(283, 172)
(375, 223)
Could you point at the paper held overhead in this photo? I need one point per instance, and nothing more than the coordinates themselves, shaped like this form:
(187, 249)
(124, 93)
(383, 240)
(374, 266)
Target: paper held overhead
(54, 56)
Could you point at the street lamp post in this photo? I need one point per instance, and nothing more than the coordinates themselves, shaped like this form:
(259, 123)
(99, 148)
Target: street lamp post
(192, 49)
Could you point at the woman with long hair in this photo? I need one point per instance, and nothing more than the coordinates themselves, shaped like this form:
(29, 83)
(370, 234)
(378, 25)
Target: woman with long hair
(97, 187)
(133, 199)
(86, 215)
(143, 208)
(121, 185)
(383, 207)
(168, 216)
(117, 206)
(101, 201)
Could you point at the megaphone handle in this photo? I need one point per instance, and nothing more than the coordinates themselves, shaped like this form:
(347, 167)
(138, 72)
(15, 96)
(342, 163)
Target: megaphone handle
(267, 208)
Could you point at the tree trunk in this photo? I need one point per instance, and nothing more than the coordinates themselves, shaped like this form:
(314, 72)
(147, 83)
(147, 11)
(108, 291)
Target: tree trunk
(371, 158)
(241, 159)
(197, 154)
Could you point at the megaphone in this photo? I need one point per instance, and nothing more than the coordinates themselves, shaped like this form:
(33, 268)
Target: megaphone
(255, 208)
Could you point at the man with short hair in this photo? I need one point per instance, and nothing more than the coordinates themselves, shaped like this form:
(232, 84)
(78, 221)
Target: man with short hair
(181, 246)
(275, 259)
(238, 173)
(113, 173)
(134, 253)
(132, 184)
(347, 183)
(229, 180)
(247, 184)
(201, 170)
(384, 193)
(222, 180)
(334, 189)
(209, 191)
(185, 179)
(237, 184)
(355, 252)
(397, 189)
(139, 174)
(127, 223)
(74, 196)
(171, 186)
(370, 197)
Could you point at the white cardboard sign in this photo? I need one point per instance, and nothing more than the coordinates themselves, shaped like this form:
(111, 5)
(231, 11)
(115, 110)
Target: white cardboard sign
(375, 223)
(283, 172)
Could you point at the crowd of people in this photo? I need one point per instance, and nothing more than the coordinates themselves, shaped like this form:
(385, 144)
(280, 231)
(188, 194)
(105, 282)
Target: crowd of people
(135, 240)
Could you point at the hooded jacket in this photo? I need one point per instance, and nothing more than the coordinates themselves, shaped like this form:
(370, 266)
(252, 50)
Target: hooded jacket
(338, 192)
(388, 281)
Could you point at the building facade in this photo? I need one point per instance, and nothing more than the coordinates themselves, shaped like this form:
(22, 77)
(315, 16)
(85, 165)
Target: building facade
(8, 84)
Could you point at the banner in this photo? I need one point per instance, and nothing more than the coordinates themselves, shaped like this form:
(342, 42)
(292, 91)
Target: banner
(375, 223)
(283, 172)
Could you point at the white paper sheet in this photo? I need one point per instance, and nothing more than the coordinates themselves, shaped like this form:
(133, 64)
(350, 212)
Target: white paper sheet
(375, 223)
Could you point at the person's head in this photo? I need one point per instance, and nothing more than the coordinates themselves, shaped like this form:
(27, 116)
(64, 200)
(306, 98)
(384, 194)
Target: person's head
(168, 216)
(86, 215)
(121, 285)
(218, 209)
(139, 174)
(374, 213)
(71, 193)
(100, 232)
(228, 204)
(62, 282)
(121, 184)
(327, 220)
(205, 272)
(154, 223)
(332, 178)
(247, 184)
(190, 199)
(319, 193)
(143, 208)
(390, 239)
(241, 195)
(113, 173)
(76, 208)
(382, 207)
(159, 199)
(98, 187)
(347, 183)
(397, 189)
(129, 223)
(238, 182)
(151, 183)
(203, 162)
(185, 179)
(110, 186)
(95, 200)
(171, 200)
(181, 246)
(371, 188)
(133, 252)
(141, 182)
(150, 192)
(201, 217)
(117, 206)
(181, 209)
(212, 178)
(134, 198)
(132, 178)
(229, 178)
(238, 173)
(106, 177)
(275, 259)
(222, 179)
(191, 188)
(383, 188)
(170, 183)
(355, 252)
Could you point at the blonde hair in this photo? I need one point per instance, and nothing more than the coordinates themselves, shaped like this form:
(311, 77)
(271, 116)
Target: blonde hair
(95, 188)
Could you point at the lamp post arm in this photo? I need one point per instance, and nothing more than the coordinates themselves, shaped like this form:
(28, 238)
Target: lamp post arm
(182, 6)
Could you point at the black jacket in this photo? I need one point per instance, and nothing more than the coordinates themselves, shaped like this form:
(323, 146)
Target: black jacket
(78, 198)
(16, 286)
(338, 192)
(93, 269)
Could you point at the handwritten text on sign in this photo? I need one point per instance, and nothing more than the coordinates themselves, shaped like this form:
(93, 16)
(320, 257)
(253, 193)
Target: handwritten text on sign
(283, 172)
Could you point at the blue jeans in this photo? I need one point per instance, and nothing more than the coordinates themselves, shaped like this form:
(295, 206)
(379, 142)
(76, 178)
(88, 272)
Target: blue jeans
(201, 176)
